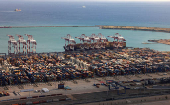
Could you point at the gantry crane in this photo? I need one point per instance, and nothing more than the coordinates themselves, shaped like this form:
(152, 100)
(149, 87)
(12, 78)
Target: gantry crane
(29, 42)
(69, 43)
(118, 40)
(23, 42)
(102, 41)
(14, 44)
(85, 42)
(96, 41)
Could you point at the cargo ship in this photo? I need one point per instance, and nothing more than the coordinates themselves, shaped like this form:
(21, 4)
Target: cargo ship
(94, 42)
(17, 10)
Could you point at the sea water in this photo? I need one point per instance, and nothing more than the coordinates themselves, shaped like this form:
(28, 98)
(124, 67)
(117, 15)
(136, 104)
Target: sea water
(48, 39)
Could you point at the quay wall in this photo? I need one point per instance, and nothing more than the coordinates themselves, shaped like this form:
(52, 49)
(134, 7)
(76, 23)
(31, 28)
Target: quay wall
(157, 29)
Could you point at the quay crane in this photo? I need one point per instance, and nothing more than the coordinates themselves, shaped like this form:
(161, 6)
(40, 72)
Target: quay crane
(118, 41)
(103, 40)
(115, 36)
(69, 43)
(23, 42)
(29, 42)
(85, 42)
(14, 44)
(96, 41)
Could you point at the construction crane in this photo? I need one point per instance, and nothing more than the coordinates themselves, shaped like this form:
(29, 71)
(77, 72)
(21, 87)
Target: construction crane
(14, 44)
(69, 43)
(23, 42)
(29, 42)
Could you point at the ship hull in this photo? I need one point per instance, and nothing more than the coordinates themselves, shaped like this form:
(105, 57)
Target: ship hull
(81, 47)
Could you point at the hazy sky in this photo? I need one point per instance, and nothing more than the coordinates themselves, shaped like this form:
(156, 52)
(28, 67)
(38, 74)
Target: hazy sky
(103, 0)
(94, 0)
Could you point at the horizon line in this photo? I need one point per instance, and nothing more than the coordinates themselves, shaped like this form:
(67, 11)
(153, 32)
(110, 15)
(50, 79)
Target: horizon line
(86, 1)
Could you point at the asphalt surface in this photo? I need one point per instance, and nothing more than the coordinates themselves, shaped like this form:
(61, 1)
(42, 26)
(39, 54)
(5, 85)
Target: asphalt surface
(83, 91)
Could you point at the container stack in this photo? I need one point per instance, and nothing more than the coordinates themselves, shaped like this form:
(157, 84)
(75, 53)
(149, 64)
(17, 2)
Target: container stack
(76, 65)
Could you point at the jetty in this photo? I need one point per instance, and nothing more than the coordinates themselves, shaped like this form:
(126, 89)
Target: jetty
(157, 29)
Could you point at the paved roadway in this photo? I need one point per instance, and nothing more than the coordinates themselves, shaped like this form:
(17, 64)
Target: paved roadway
(91, 92)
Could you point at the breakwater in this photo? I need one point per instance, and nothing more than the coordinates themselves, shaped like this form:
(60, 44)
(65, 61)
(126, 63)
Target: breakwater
(157, 29)
(163, 41)
(41, 26)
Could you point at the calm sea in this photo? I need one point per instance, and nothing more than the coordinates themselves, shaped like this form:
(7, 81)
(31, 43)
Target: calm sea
(72, 13)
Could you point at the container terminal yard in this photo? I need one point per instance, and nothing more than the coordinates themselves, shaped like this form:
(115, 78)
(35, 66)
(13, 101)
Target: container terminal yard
(95, 70)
